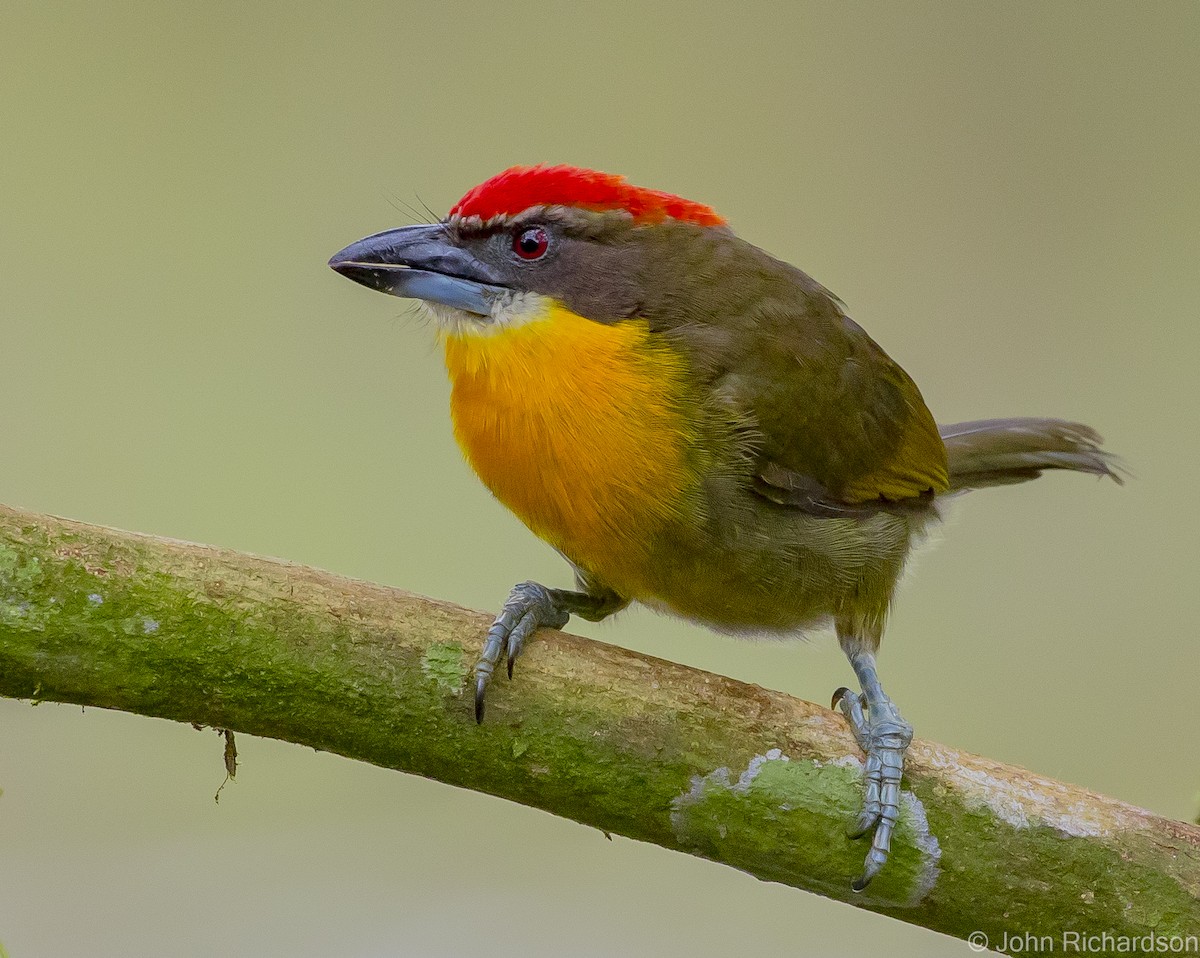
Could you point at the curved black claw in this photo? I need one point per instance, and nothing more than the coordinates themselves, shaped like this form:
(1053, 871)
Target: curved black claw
(885, 737)
(529, 607)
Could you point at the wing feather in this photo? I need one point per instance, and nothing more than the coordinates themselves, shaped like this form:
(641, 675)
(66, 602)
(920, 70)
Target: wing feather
(841, 426)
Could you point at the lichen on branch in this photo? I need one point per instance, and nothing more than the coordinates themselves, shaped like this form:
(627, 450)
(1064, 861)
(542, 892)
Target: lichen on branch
(620, 741)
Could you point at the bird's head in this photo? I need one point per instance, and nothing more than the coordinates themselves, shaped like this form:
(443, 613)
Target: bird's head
(536, 235)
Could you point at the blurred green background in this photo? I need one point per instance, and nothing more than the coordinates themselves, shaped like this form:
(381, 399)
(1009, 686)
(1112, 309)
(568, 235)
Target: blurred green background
(1006, 197)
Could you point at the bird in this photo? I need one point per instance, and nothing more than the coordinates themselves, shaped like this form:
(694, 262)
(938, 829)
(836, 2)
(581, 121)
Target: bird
(695, 425)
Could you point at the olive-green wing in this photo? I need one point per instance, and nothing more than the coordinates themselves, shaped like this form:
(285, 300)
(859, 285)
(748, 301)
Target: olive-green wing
(838, 423)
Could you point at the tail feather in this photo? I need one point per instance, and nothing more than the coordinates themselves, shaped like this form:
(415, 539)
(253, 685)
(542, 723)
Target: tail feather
(995, 452)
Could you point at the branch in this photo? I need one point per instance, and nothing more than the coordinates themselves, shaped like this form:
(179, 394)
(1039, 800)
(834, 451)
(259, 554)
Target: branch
(627, 743)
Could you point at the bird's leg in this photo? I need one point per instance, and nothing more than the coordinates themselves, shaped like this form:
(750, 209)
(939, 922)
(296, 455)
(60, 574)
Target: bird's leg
(531, 606)
(884, 736)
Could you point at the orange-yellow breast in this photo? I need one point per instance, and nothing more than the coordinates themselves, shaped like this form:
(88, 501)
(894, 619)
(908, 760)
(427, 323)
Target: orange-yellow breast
(579, 428)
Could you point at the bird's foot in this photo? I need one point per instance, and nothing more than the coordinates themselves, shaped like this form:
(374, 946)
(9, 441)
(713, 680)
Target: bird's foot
(529, 607)
(885, 737)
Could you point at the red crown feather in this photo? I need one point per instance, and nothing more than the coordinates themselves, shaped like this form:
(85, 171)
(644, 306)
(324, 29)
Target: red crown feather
(520, 187)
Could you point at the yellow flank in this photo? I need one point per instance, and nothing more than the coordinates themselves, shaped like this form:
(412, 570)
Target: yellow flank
(576, 427)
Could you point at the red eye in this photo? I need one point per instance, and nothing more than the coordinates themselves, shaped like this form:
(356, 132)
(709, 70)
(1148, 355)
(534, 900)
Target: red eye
(531, 243)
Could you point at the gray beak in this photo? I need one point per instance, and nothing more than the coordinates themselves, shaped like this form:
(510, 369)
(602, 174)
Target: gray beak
(420, 262)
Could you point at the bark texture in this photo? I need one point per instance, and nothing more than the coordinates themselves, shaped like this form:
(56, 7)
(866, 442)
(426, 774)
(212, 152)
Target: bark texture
(620, 741)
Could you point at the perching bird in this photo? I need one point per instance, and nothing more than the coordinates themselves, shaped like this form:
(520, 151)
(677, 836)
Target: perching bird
(693, 424)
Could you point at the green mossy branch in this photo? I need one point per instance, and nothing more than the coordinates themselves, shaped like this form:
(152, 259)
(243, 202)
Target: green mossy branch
(626, 743)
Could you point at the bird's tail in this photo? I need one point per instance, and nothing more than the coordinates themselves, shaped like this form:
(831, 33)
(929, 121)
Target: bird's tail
(996, 452)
